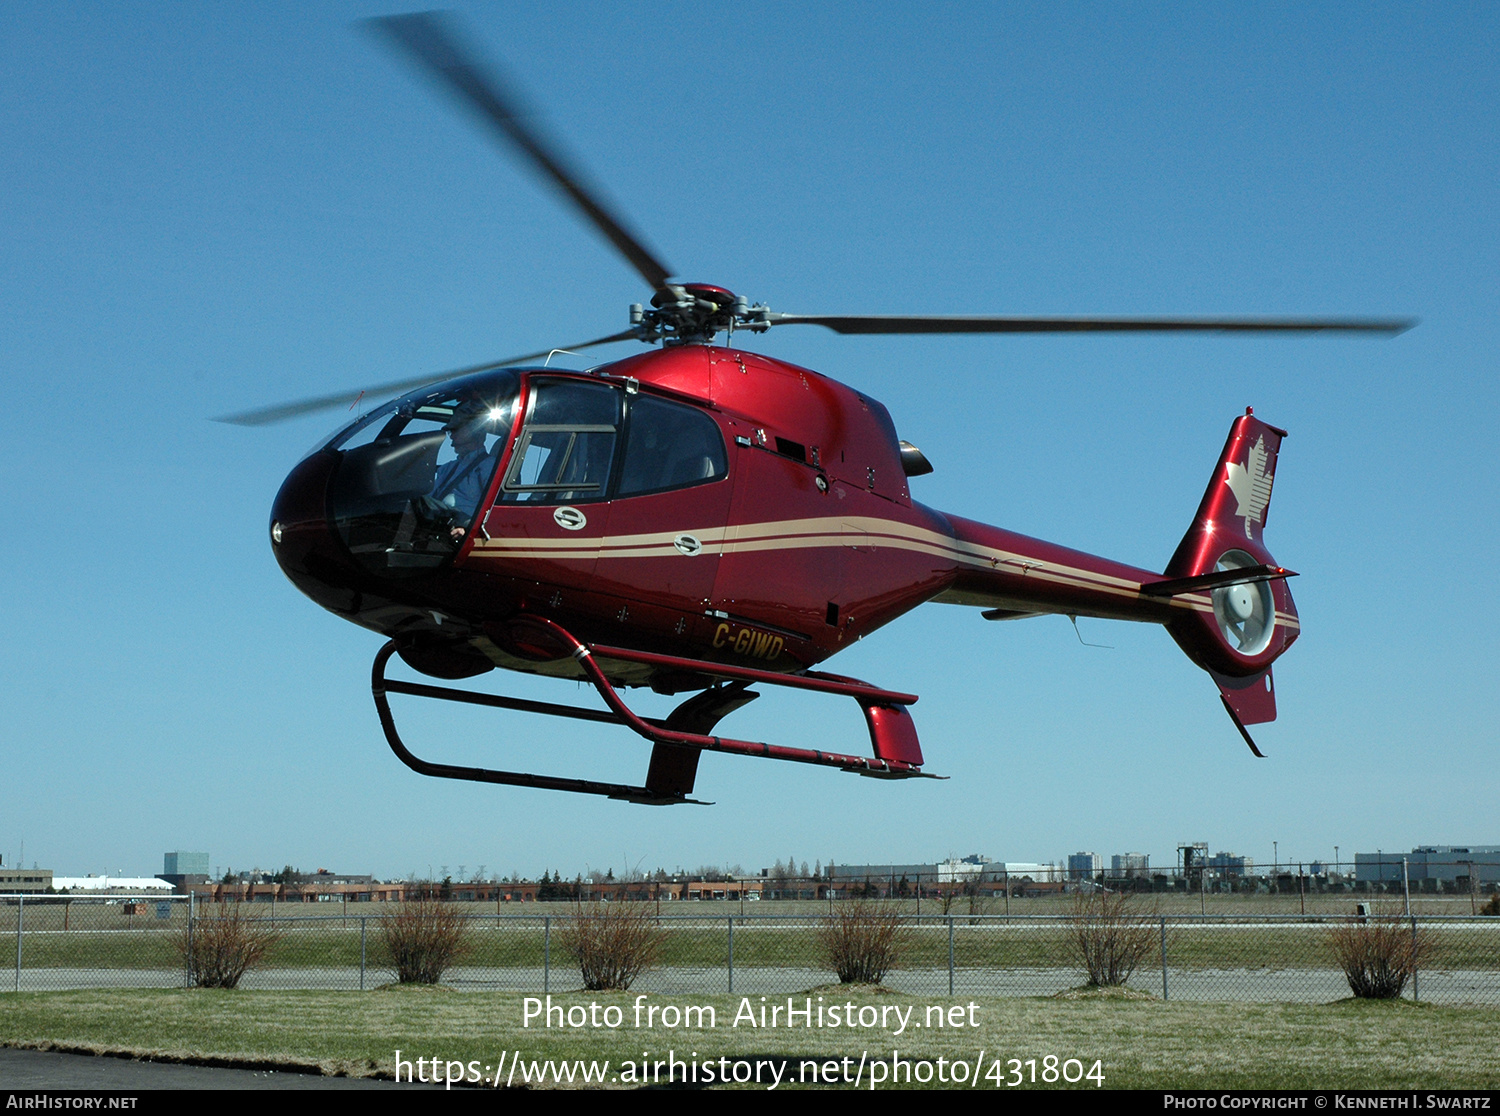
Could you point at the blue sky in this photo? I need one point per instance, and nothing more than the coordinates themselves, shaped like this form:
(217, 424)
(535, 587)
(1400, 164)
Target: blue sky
(210, 208)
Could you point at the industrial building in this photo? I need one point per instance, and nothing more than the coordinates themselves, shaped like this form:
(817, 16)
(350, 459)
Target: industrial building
(25, 880)
(1453, 865)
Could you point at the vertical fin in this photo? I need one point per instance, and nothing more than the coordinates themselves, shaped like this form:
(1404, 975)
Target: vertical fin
(1249, 701)
(1234, 507)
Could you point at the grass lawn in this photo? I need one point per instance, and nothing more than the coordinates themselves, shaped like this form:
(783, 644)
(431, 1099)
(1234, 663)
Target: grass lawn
(499, 944)
(1140, 1043)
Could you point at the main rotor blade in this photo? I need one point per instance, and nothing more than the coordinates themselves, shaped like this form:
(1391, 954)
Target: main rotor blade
(431, 43)
(860, 323)
(280, 412)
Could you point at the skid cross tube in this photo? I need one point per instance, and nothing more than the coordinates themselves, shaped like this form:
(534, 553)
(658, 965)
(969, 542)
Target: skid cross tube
(650, 728)
(819, 683)
(380, 686)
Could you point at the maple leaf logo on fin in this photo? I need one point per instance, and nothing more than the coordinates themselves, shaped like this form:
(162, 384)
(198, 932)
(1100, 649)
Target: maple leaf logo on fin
(1251, 485)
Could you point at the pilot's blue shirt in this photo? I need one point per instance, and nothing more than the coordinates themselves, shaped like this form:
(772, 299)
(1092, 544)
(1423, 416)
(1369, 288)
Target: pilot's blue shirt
(460, 483)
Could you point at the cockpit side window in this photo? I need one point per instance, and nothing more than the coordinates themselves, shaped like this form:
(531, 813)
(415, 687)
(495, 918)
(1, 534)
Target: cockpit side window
(669, 445)
(566, 451)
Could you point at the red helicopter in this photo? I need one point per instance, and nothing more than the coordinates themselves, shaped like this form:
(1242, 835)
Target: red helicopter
(701, 520)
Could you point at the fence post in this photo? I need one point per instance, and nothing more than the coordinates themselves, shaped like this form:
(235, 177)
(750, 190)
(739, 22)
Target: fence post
(1164, 957)
(362, 921)
(731, 957)
(950, 955)
(187, 961)
(20, 901)
(546, 954)
(1415, 961)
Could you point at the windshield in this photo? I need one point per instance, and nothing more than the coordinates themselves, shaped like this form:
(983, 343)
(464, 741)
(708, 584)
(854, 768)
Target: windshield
(413, 473)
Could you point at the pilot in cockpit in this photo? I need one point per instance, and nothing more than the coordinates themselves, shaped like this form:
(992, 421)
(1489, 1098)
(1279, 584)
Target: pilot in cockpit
(459, 485)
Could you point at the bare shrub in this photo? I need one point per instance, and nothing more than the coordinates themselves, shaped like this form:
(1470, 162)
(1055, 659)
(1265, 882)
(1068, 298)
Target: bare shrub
(863, 941)
(1378, 954)
(1111, 934)
(422, 939)
(613, 943)
(1493, 906)
(222, 947)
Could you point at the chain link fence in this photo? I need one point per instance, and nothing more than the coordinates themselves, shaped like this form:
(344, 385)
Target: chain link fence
(56, 944)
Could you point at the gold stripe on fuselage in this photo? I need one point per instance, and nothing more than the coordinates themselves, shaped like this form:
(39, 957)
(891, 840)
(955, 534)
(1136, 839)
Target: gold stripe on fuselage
(826, 532)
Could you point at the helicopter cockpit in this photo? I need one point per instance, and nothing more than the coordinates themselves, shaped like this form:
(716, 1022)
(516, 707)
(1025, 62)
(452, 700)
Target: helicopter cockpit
(411, 474)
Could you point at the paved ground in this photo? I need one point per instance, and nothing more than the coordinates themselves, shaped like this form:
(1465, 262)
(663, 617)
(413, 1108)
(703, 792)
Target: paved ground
(41, 1070)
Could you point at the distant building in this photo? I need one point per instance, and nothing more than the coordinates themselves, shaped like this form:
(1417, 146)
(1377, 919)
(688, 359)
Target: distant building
(184, 870)
(27, 880)
(184, 864)
(969, 869)
(112, 884)
(846, 874)
(1123, 866)
(1022, 870)
(1228, 864)
(976, 872)
(1431, 862)
(1084, 865)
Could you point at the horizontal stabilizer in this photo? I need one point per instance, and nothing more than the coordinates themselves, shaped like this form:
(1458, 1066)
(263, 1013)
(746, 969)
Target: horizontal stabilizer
(1007, 614)
(1215, 579)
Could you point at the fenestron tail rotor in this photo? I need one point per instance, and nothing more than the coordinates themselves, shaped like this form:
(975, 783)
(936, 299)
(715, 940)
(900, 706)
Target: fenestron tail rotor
(1245, 612)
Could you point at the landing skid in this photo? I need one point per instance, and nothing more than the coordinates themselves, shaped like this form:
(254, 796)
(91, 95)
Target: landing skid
(682, 737)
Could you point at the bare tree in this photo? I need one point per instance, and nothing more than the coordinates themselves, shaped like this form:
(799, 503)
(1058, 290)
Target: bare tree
(220, 948)
(422, 939)
(1110, 936)
(1378, 955)
(613, 943)
(863, 941)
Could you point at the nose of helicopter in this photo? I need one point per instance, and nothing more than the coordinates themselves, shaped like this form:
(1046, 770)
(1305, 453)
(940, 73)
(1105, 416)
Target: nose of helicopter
(302, 539)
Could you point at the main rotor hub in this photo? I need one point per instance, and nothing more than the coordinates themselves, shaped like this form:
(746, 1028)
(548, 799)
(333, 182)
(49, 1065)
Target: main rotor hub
(692, 313)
